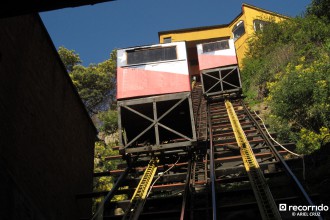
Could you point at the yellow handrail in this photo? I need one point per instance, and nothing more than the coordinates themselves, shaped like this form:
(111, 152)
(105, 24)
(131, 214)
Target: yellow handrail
(265, 200)
(141, 191)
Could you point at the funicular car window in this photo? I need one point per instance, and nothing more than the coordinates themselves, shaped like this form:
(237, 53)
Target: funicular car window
(214, 46)
(151, 55)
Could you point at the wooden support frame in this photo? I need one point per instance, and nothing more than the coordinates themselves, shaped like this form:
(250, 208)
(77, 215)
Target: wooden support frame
(221, 81)
(167, 122)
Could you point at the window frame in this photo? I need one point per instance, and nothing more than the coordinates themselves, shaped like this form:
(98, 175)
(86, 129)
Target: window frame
(261, 24)
(237, 26)
(215, 46)
(167, 40)
(131, 62)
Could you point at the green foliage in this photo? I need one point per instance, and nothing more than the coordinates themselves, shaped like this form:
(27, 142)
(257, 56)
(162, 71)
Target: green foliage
(302, 94)
(310, 141)
(319, 8)
(282, 126)
(101, 152)
(109, 121)
(272, 49)
(109, 66)
(288, 66)
(94, 82)
(69, 58)
(104, 183)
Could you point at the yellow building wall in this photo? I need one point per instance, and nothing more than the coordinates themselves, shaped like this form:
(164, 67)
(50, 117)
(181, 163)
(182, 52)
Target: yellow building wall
(240, 43)
(248, 15)
(196, 35)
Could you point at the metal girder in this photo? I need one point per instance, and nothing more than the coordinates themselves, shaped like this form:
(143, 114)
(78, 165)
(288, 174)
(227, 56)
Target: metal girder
(147, 111)
(221, 83)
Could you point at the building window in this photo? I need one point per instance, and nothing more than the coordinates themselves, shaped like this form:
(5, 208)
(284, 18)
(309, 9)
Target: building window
(167, 39)
(151, 55)
(259, 25)
(238, 30)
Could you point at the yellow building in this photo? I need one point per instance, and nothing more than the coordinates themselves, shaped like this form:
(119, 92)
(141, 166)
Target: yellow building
(250, 19)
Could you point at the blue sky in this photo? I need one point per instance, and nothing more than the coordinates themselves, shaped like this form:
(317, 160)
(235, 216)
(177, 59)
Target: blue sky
(94, 31)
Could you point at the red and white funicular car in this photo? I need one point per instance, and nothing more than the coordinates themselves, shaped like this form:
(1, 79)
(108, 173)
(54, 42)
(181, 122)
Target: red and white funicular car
(152, 70)
(154, 100)
(216, 54)
(219, 68)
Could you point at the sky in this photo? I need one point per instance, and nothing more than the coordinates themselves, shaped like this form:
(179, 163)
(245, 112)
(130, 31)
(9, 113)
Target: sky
(94, 31)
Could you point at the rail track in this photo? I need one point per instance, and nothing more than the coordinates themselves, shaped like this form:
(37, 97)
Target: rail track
(236, 170)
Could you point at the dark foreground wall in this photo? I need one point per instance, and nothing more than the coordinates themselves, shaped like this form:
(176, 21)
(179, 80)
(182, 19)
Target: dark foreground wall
(46, 136)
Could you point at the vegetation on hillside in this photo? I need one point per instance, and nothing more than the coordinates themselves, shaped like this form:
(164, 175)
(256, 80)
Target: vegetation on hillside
(95, 84)
(288, 68)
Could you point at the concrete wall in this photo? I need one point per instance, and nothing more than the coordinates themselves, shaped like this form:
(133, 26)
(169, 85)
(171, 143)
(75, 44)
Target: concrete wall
(46, 135)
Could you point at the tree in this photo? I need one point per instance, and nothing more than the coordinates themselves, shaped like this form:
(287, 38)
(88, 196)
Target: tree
(319, 8)
(69, 58)
(93, 83)
(109, 121)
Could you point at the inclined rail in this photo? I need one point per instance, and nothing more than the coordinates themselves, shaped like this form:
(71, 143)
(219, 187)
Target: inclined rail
(231, 142)
(226, 122)
(280, 158)
(139, 197)
(212, 170)
(265, 200)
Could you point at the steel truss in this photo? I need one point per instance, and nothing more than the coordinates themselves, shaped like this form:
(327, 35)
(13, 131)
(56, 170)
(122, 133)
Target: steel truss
(167, 122)
(223, 80)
